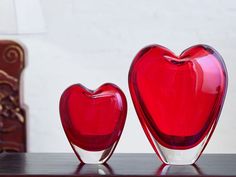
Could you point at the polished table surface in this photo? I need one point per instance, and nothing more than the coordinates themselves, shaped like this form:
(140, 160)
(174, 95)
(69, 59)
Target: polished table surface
(66, 164)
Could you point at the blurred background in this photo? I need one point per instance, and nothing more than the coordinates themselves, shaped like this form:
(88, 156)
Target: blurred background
(93, 42)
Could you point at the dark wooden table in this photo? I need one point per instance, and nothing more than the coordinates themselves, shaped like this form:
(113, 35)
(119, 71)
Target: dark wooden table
(66, 164)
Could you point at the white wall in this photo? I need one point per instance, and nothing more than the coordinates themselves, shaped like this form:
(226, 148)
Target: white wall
(93, 42)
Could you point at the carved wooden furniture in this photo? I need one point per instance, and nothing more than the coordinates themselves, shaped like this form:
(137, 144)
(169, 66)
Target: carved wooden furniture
(12, 115)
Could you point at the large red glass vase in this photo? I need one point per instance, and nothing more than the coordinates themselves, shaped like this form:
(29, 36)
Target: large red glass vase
(178, 99)
(93, 120)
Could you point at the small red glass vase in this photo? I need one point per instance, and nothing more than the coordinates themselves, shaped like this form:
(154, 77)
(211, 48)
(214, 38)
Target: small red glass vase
(93, 120)
(178, 99)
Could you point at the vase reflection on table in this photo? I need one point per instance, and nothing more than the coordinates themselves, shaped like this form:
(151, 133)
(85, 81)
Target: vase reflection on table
(94, 169)
(178, 99)
(188, 170)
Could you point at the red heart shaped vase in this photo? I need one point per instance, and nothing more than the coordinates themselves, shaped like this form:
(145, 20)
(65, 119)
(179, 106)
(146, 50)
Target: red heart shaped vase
(93, 120)
(178, 99)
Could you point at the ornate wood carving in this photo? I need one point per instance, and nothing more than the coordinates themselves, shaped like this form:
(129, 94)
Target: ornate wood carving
(12, 114)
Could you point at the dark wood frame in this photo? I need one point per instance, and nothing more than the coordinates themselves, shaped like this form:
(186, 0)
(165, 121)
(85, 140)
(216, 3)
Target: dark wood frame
(12, 112)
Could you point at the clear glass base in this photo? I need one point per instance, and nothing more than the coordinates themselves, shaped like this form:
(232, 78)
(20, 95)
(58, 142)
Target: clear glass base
(183, 156)
(179, 157)
(93, 157)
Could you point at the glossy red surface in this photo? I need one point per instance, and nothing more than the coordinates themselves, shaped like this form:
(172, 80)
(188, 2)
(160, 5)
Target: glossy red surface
(178, 99)
(93, 120)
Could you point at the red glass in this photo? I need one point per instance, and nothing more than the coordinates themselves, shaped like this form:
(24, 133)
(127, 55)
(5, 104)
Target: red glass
(178, 99)
(93, 120)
